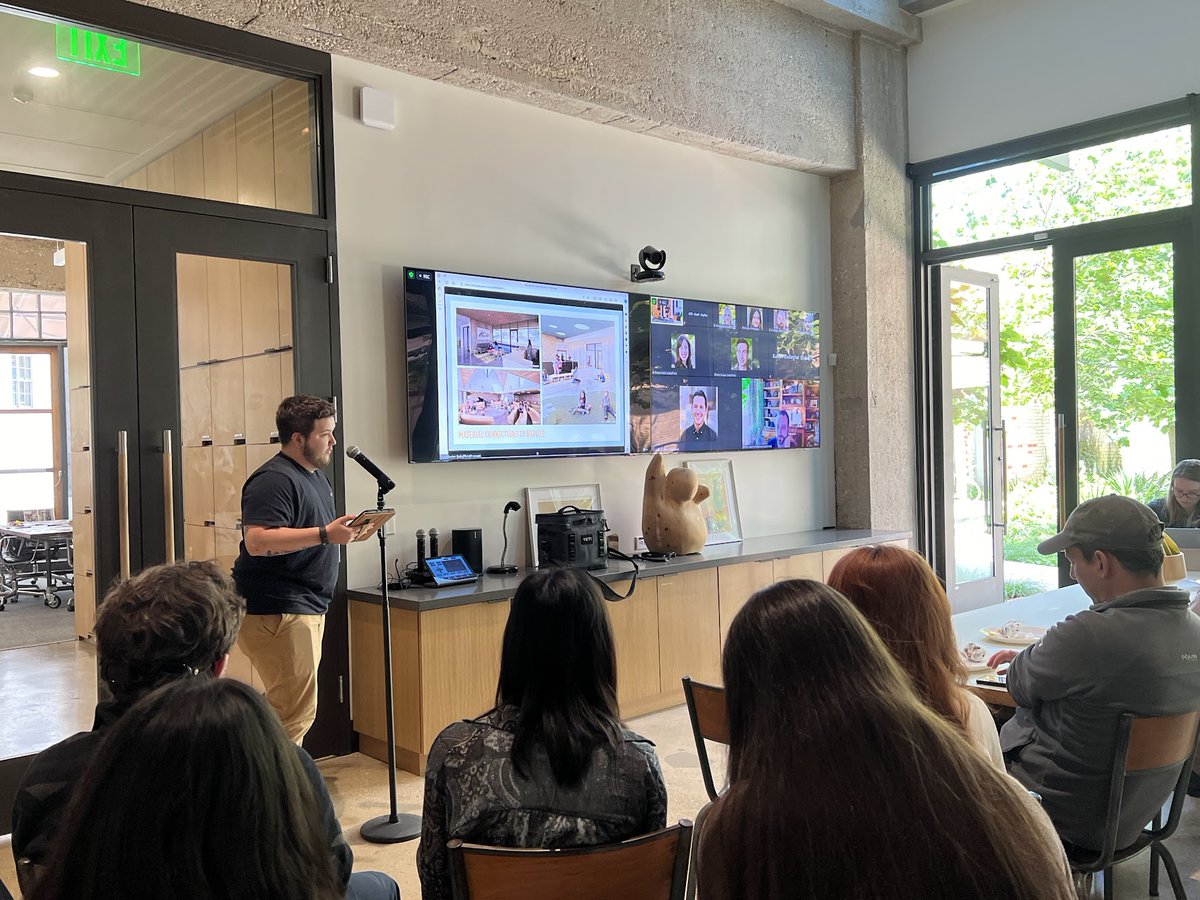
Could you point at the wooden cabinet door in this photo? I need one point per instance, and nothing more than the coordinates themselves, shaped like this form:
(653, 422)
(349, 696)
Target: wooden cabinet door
(736, 583)
(635, 633)
(802, 565)
(689, 629)
(460, 663)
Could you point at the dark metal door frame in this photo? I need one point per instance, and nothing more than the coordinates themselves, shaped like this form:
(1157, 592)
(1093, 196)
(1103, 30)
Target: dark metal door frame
(158, 236)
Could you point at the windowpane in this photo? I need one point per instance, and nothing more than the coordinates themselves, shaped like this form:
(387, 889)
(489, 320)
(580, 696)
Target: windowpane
(1135, 175)
(25, 300)
(34, 448)
(25, 326)
(111, 110)
(1125, 368)
(26, 490)
(54, 326)
(5, 302)
(54, 302)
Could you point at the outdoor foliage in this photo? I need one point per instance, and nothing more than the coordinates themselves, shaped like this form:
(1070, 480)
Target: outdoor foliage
(1124, 314)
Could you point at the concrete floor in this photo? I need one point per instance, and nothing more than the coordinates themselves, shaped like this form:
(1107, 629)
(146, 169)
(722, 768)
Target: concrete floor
(48, 693)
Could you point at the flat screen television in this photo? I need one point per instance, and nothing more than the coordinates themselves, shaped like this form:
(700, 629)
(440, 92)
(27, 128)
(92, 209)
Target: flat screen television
(499, 368)
(724, 376)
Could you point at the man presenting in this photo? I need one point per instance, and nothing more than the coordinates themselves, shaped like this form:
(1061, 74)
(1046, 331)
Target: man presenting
(1136, 650)
(288, 564)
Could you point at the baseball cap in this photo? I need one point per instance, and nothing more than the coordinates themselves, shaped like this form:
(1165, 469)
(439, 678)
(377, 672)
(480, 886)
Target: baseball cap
(1108, 523)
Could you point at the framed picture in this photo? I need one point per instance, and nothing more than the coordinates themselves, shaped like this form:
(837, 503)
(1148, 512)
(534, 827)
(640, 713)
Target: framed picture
(552, 499)
(720, 509)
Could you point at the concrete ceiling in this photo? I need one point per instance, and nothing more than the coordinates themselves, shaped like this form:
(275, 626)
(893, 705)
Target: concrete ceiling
(95, 125)
(767, 81)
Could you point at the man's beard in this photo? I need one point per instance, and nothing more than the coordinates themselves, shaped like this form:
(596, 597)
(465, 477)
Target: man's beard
(313, 458)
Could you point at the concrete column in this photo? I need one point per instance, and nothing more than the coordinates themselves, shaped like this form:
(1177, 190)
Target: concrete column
(871, 219)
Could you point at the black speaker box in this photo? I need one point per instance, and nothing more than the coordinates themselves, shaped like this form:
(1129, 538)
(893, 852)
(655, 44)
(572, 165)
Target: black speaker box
(468, 543)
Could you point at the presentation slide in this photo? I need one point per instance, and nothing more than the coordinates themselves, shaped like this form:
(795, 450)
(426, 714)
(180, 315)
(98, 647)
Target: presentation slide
(530, 369)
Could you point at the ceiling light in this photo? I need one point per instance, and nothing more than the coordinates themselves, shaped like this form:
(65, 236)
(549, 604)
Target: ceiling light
(43, 72)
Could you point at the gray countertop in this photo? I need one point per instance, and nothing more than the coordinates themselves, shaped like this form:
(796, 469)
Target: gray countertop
(501, 587)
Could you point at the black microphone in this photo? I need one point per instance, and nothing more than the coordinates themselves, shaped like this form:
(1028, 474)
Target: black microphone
(385, 483)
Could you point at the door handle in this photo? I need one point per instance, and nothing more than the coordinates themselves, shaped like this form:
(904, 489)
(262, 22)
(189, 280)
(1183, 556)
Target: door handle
(1061, 456)
(168, 496)
(123, 500)
(1001, 459)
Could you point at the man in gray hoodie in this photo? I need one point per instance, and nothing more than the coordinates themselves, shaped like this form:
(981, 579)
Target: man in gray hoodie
(1137, 649)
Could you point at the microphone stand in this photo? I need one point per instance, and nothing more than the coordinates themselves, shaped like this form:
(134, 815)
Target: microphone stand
(502, 569)
(393, 828)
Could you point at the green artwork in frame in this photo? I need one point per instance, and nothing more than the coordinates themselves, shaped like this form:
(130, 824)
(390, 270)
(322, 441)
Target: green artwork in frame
(721, 508)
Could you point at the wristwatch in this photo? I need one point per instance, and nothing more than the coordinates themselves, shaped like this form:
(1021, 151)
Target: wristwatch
(323, 533)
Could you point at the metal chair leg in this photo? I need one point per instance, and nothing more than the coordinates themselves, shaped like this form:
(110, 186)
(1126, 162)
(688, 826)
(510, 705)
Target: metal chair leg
(1108, 883)
(1154, 870)
(1172, 871)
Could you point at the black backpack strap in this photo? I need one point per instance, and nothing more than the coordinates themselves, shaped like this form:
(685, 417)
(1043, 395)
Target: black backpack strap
(609, 593)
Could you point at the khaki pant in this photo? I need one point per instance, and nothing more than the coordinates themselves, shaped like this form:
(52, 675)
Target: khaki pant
(286, 651)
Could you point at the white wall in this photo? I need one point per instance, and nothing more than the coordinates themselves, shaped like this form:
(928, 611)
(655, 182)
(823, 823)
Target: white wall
(478, 184)
(991, 70)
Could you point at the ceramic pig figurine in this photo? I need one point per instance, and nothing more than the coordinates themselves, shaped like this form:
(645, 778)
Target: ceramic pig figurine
(672, 521)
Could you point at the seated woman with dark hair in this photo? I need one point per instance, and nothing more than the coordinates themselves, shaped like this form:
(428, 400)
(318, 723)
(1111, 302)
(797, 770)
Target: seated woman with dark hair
(907, 606)
(842, 783)
(195, 794)
(550, 765)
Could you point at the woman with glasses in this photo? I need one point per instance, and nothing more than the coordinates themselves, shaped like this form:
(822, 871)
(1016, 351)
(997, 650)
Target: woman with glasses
(1181, 507)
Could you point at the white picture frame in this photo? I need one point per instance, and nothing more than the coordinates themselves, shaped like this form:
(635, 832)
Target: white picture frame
(721, 508)
(552, 499)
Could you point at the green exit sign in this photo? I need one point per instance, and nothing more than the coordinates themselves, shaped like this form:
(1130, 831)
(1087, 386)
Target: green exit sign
(95, 48)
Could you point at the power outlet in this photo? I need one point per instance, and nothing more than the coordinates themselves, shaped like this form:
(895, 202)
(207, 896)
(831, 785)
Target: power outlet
(639, 544)
(389, 527)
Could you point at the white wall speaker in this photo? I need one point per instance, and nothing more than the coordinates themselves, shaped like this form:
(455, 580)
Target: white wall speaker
(376, 108)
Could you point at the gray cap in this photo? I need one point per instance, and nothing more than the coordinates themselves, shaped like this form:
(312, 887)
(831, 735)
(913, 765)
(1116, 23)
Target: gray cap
(1108, 523)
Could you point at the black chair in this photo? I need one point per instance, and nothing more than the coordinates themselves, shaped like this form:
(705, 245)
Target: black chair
(650, 867)
(706, 709)
(1144, 744)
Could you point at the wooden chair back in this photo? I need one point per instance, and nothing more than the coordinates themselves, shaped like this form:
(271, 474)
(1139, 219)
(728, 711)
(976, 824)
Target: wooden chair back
(651, 867)
(1145, 743)
(1161, 741)
(710, 722)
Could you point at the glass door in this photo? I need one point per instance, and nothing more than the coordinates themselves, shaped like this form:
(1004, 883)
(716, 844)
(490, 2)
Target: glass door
(1117, 371)
(228, 308)
(973, 444)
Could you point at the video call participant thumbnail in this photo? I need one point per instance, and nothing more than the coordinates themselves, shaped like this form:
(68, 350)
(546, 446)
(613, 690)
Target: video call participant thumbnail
(742, 359)
(684, 354)
(697, 431)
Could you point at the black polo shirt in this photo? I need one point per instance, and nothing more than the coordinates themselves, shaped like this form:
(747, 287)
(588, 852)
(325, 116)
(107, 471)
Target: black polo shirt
(282, 493)
(704, 436)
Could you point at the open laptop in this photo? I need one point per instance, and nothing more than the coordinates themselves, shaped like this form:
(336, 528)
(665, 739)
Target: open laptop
(1186, 538)
(447, 570)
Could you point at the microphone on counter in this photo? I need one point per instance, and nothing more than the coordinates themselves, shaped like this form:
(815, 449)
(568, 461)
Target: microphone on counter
(420, 549)
(385, 483)
(433, 543)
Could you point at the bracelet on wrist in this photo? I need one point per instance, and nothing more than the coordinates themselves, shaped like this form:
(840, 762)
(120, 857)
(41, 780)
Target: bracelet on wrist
(324, 534)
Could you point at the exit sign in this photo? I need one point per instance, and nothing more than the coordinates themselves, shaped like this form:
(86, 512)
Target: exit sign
(95, 48)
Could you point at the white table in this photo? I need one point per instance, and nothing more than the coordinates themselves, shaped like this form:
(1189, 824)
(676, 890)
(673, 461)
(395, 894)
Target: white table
(1043, 610)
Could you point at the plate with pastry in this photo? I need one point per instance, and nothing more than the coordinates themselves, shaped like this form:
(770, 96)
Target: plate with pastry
(974, 657)
(1018, 634)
